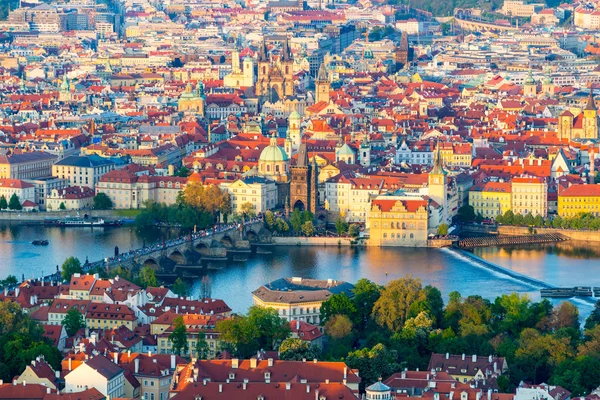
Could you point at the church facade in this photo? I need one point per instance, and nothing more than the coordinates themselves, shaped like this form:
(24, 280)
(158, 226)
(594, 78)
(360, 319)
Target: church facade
(582, 126)
(275, 79)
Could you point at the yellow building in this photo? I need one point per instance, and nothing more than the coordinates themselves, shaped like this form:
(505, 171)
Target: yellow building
(529, 195)
(190, 101)
(398, 221)
(195, 324)
(490, 199)
(299, 299)
(577, 199)
(582, 126)
(107, 316)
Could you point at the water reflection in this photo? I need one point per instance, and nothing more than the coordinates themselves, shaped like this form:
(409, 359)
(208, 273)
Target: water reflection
(565, 264)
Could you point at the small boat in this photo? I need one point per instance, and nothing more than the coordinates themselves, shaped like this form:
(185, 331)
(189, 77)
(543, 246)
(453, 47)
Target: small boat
(40, 242)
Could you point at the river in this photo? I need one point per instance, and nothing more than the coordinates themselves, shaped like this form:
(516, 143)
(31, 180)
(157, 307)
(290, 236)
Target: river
(566, 264)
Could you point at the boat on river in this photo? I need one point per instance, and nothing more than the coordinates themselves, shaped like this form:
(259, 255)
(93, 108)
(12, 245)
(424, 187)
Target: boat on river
(42, 242)
(91, 222)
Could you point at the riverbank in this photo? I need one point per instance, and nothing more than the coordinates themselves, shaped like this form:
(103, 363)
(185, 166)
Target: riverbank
(507, 230)
(22, 216)
(312, 241)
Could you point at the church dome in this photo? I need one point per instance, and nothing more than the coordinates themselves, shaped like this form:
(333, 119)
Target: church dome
(273, 153)
(194, 177)
(294, 115)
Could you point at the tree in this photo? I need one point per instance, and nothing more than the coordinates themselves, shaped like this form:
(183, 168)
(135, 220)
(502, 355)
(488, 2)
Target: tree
(372, 363)
(353, 230)
(14, 202)
(147, 277)
(529, 219)
(466, 213)
(270, 220)
(392, 307)
(179, 336)
(442, 229)
(180, 288)
(508, 217)
(3, 203)
(421, 323)
(22, 340)
(294, 349)
(248, 209)
(271, 328)
(102, 202)
(579, 376)
(338, 326)
(62, 206)
(594, 318)
(281, 226)
(183, 171)
(566, 315)
(238, 336)
(71, 266)
(366, 293)
(308, 229)
(202, 349)
(538, 221)
(337, 304)
(121, 272)
(10, 281)
(479, 218)
(341, 226)
(296, 220)
(73, 321)
(261, 329)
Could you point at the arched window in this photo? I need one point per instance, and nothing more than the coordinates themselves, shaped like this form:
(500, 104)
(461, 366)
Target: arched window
(268, 168)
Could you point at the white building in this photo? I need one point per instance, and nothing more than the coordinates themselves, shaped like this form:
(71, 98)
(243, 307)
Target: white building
(350, 197)
(24, 190)
(82, 170)
(100, 373)
(258, 191)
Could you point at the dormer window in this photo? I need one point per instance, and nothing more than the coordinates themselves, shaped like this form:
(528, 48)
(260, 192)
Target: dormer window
(232, 376)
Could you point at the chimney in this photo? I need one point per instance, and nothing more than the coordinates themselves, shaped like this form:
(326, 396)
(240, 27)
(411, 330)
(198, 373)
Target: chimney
(48, 390)
(270, 362)
(463, 357)
(307, 388)
(24, 383)
(495, 366)
(128, 354)
(403, 374)
(490, 358)
(489, 396)
(234, 363)
(70, 364)
(317, 394)
(220, 388)
(137, 365)
(244, 385)
(116, 357)
(173, 361)
(253, 363)
(56, 375)
(345, 372)
(474, 357)
(149, 353)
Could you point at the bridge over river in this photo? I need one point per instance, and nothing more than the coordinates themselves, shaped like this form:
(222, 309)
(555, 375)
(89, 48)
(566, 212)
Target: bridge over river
(168, 258)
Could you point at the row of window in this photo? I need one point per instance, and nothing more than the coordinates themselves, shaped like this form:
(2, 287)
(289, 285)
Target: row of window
(394, 236)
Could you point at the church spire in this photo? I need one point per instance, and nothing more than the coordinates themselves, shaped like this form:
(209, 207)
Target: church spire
(322, 76)
(591, 104)
(438, 169)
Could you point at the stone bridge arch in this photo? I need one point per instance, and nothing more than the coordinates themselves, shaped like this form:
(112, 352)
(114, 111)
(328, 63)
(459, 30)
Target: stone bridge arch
(178, 256)
(252, 236)
(152, 263)
(202, 247)
(227, 241)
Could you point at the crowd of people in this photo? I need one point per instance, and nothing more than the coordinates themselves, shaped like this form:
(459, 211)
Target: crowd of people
(164, 244)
